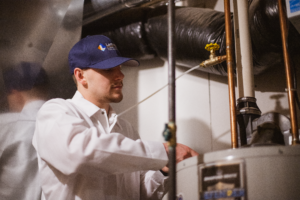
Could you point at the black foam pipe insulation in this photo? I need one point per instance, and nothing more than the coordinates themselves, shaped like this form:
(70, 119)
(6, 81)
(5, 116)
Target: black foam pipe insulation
(142, 33)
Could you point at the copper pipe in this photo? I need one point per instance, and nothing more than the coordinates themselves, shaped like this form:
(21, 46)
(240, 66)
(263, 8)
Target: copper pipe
(288, 71)
(230, 65)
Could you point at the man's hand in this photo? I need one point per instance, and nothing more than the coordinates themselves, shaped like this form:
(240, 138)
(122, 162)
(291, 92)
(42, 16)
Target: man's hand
(182, 152)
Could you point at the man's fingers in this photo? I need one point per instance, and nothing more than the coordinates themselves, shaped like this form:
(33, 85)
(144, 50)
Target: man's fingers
(182, 152)
(194, 153)
(165, 169)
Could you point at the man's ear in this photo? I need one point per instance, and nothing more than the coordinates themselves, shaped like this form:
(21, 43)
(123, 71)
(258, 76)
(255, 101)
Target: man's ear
(80, 77)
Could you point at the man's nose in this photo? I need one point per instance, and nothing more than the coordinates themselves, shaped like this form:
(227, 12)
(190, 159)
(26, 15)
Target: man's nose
(119, 74)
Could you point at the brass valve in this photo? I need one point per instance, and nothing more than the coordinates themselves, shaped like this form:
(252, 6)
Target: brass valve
(211, 46)
(213, 59)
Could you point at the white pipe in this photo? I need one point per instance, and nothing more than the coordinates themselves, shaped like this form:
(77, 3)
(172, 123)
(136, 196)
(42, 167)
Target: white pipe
(237, 51)
(246, 80)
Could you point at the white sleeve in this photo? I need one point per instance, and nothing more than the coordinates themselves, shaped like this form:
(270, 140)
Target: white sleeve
(69, 143)
(154, 185)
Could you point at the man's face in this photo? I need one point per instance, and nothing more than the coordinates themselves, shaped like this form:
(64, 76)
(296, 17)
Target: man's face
(105, 86)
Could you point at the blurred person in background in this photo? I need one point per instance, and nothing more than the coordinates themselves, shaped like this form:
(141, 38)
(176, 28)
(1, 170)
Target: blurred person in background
(26, 88)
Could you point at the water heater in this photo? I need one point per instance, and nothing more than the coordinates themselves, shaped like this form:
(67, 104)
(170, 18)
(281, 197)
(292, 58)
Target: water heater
(253, 173)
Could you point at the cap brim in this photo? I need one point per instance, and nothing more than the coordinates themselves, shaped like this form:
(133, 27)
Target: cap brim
(115, 61)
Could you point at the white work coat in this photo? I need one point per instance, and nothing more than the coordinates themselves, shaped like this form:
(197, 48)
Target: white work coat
(18, 160)
(83, 154)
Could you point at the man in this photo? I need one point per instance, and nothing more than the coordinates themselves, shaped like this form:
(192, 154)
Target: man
(85, 151)
(26, 87)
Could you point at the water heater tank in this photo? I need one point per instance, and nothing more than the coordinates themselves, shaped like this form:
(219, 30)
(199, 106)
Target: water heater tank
(268, 172)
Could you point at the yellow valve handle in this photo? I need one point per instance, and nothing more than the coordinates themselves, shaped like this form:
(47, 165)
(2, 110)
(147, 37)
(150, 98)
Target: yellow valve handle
(212, 46)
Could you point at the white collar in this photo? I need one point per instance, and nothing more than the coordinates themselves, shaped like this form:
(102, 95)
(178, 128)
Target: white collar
(89, 108)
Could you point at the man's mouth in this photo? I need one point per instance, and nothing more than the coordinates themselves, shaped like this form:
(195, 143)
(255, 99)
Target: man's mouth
(118, 86)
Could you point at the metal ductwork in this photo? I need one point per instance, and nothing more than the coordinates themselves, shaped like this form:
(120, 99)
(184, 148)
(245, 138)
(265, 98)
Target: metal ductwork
(97, 9)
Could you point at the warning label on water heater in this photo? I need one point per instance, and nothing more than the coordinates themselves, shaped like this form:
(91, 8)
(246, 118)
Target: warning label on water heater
(222, 180)
(294, 5)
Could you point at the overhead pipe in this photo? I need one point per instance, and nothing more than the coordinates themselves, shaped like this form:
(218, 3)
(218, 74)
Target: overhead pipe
(290, 90)
(230, 65)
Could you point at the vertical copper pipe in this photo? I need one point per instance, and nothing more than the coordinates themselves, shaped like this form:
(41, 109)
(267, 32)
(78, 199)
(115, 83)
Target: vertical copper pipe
(290, 90)
(230, 65)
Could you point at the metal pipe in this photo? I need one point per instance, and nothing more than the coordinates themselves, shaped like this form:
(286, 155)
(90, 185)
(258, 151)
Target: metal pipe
(171, 60)
(288, 71)
(247, 82)
(230, 65)
(238, 57)
(172, 114)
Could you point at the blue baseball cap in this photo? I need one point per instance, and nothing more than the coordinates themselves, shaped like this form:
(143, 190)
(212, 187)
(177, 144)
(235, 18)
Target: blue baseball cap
(24, 76)
(99, 52)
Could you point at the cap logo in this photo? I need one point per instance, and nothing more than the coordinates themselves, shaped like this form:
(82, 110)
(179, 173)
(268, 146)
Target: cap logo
(101, 47)
(111, 46)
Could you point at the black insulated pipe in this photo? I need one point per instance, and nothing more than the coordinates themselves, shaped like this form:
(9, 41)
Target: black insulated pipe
(142, 33)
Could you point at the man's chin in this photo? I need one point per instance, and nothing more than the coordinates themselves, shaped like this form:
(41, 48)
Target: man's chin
(116, 99)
